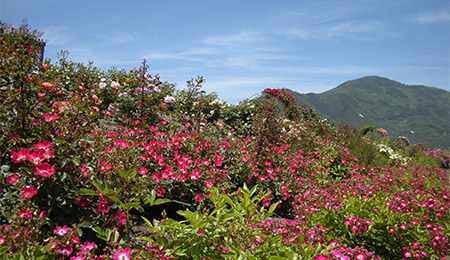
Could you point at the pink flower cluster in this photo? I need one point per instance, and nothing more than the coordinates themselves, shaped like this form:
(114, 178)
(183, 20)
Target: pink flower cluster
(67, 243)
(358, 225)
(344, 253)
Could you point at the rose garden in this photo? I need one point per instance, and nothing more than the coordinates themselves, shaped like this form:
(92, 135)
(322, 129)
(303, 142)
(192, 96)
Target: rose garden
(120, 165)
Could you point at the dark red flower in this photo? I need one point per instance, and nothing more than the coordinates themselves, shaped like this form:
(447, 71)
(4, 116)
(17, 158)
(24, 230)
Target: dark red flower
(120, 218)
(81, 201)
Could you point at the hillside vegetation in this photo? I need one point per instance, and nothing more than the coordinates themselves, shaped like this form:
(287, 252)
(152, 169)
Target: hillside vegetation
(119, 165)
(420, 113)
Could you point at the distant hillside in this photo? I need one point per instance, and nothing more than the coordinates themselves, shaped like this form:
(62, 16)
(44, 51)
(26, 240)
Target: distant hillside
(418, 112)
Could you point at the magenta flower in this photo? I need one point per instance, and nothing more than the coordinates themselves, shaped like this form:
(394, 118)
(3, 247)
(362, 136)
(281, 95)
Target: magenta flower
(25, 214)
(75, 239)
(44, 169)
(13, 179)
(44, 145)
(408, 254)
(87, 247)
(199, 198)
(104, 166)
(61, 231)
(103, 205)
(208, 184)
(49, 154)
(85, 170)
(156, 177)
(321, 257)
(78, 257)
(160, 192)
(19, 156)
(50, 117)
(28, 192)
(36, 157)
(360, 256)
(43, 214)
(65, 250)
(120, 218)
(143, 171)
(122, 254)
(195, 175)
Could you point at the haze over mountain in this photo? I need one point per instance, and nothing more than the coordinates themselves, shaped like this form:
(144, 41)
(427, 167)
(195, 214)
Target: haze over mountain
(420, 113)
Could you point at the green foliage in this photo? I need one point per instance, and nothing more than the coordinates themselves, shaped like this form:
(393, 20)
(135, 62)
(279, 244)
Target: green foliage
(225, 229)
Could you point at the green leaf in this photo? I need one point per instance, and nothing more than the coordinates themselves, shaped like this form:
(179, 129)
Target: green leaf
(271, 210)
(182, 203)
(275, 257)
(225, 199)
(3, 249)
(160, 201)
(76, 160)
(117, 201)
(194, 251)
(60, 141)
(99, 186)
(48, 246)
(79, 232)
(300, 239)
(122, 173)
(131, 173)
(149, 224)
(134, 204)
(93, 114)
(87, 192)
(150, 198)
(147, 239)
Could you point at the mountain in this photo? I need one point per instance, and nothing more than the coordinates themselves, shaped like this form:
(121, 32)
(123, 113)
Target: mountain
(420, 113)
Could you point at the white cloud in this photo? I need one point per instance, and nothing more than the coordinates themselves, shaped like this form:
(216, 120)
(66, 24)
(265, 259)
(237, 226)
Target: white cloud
(248, 49)
(57, 35)
(432, 17)
(362, 30)
(163, 56)
(325, 70)
(243, 38)
(117, 37)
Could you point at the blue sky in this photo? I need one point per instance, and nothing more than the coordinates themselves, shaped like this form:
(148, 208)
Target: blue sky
(242, 47)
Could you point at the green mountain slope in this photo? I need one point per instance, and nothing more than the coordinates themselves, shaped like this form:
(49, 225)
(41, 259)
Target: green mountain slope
(418, 112)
